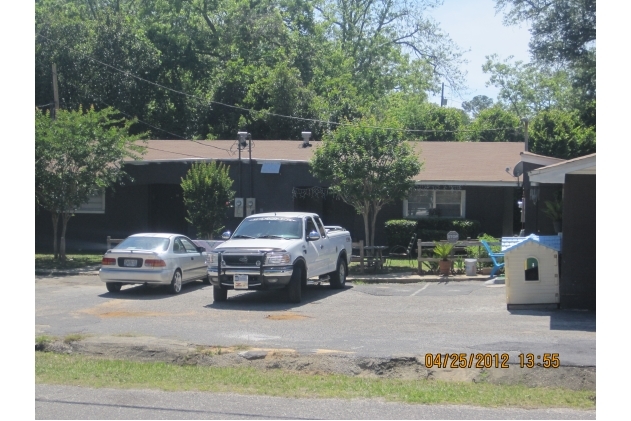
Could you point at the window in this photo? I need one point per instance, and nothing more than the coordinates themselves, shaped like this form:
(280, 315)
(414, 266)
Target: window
(178, 247)
(95, 204)
(531, 269)
(321, 228)
(188, 246)
(445, 203)
(310, 226)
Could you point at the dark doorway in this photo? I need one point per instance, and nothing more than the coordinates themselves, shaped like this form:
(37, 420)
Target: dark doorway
(166, 209)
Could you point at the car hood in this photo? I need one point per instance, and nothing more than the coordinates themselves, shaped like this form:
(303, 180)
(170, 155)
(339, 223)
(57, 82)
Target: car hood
(257, 244)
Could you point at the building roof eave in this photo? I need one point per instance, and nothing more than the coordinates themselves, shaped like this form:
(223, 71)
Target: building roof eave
(556, 173)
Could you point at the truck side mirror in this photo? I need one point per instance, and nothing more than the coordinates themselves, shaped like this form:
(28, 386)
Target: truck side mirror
(226, 235)
(313, 236)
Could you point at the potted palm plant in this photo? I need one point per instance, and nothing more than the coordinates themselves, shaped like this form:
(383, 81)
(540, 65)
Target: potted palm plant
(554, 210)
(443, 251)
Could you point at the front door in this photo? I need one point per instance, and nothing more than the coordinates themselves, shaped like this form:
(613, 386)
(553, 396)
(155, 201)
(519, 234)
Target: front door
(315, 250)
(197, 260)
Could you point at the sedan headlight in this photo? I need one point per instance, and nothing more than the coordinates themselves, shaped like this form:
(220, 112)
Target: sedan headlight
(278, 259)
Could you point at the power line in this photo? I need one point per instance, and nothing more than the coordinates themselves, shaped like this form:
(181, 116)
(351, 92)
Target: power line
(166, 131)
(249, 110)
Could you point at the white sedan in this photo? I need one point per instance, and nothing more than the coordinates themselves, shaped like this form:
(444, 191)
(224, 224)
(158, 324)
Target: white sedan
(168, 259)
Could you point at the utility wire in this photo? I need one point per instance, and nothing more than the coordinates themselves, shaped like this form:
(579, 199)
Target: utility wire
(249, 110)
(158, 128)
(166, 131)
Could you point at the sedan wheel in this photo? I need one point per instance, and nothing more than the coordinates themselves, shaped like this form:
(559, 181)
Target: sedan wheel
(176, 283)
(113, 286)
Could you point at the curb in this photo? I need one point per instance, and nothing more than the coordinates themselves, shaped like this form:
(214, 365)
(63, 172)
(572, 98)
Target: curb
(91, 270)
(408, 280)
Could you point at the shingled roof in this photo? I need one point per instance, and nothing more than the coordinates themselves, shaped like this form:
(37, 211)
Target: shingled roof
(470, 163)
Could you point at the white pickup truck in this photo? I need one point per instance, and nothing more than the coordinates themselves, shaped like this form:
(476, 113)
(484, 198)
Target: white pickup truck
(279, 250)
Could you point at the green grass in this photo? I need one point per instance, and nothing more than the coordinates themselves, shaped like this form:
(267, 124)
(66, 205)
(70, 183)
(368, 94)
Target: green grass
(75, 261)
(74, 337)
(391, 266)
(43, 339)
(86, 371)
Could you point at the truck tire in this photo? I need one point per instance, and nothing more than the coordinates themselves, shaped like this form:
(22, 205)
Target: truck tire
(294, 289)
(338, 278)
(219, 294)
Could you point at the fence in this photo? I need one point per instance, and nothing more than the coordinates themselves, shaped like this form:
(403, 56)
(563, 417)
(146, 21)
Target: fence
(114, 241)
(458, 245)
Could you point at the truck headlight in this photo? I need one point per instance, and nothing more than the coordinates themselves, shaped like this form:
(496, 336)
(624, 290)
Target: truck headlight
(213, 258)
(278, 259)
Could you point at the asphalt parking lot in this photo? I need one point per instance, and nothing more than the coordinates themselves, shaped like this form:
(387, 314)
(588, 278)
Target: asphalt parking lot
(376, 320)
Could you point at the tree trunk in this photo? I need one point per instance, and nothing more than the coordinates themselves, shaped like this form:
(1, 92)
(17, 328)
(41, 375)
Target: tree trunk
(366, 226)
(373, 223)
(55, 217)
(65, 216)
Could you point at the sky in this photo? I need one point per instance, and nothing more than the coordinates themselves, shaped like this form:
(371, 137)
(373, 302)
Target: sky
(473, 25)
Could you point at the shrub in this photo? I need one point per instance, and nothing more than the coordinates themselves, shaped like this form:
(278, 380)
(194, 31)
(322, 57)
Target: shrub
(399, 231)
(478, 252)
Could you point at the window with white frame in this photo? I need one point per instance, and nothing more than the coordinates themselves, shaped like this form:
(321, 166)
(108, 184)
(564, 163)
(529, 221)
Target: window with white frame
(444, 203)
(95, 204)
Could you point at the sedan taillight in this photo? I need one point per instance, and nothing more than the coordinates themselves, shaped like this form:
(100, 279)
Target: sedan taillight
(155, 263)
(108, 261)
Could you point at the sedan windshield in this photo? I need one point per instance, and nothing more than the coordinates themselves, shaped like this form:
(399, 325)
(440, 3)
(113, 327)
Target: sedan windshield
(144, 243)
(270, 227)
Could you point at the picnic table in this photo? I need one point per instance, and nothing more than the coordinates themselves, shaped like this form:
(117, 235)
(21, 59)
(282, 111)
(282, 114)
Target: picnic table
(368, 256)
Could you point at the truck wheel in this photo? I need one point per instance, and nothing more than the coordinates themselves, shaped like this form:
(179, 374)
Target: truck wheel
(206, 280)
(219, 294)
(338, 278)
(295, 285)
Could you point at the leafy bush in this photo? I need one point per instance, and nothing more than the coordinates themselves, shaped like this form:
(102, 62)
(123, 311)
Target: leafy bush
(442, 250)
(476, 252)
(399, 231)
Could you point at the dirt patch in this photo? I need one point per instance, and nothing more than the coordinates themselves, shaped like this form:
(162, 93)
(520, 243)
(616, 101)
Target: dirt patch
(286, 316)
(116, 308)
(143, 348)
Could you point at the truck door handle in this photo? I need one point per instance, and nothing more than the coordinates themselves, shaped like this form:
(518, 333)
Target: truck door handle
(192, 258)
(321, 246)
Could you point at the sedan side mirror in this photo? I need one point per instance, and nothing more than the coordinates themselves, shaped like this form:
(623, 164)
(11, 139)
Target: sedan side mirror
(313, 236)
(226, 235)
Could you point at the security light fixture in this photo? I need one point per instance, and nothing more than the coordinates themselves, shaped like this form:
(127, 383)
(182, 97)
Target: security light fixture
(243, 139)
(306, 136)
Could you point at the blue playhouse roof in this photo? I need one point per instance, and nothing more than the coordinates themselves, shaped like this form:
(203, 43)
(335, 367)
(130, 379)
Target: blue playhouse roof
(551, 241)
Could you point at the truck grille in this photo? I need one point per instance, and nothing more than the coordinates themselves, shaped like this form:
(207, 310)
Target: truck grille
(243, 260)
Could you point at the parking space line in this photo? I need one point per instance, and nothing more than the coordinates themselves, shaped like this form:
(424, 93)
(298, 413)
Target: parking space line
(414, 293)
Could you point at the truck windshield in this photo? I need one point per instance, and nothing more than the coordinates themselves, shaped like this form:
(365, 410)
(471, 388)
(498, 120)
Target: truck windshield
(270, 227)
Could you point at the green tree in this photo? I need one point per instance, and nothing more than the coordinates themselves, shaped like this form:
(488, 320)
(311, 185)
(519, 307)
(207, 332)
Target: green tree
(423, 120)
(367, 167)
(207, 195)
(561, 134)
(496, 125)
(477, 104)
(78, 154)
(563, 35)
(379, 35)
(528, 88)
